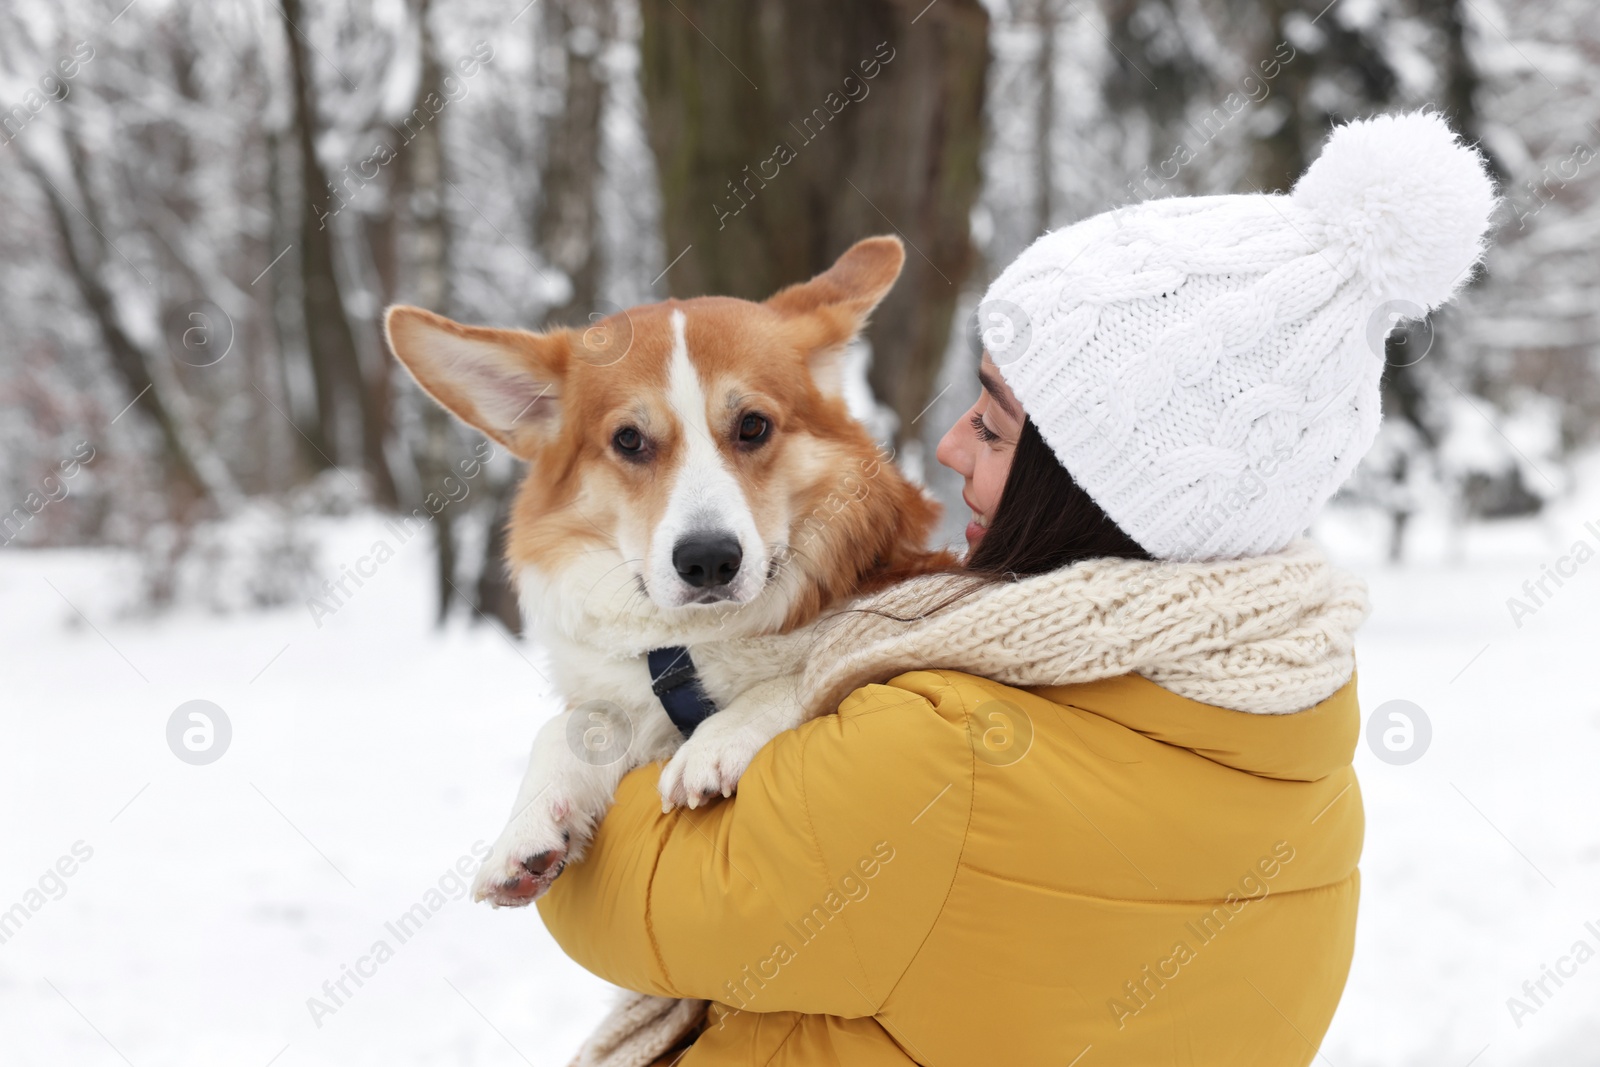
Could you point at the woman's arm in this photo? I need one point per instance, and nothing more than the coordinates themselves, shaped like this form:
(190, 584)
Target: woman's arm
(811, 890)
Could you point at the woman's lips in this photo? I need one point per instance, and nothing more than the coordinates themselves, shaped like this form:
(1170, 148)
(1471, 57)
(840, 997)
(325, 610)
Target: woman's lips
(977, 527)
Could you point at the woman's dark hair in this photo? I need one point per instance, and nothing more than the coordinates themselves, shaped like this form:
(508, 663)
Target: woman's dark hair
(1045, 520)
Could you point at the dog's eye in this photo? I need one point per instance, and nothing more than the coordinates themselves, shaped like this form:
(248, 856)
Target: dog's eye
(753, 429)
(628, 441)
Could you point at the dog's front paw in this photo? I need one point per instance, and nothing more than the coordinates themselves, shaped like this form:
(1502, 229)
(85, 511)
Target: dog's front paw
(710, 762)
(530, 852)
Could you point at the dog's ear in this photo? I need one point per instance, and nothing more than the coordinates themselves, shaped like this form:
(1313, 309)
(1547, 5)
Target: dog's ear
(828, 311)
(503, 382)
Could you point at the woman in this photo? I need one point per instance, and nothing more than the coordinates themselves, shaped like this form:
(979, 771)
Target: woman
(1091, 802)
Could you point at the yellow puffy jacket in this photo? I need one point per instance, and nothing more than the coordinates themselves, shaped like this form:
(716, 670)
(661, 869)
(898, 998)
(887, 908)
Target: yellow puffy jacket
(954, 872)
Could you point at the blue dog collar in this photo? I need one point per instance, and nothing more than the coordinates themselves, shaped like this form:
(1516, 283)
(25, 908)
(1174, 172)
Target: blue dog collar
(677, 685)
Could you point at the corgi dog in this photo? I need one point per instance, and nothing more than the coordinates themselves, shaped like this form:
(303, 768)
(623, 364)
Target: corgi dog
(695, 483)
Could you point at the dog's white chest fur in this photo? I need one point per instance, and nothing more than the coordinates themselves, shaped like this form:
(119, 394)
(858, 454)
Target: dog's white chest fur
(619, 723)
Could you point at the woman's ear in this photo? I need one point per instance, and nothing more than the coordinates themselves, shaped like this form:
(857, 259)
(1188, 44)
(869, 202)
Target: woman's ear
(503, 382)
(828, 311)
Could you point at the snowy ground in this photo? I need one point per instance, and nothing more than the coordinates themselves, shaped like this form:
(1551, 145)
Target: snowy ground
(368, 756)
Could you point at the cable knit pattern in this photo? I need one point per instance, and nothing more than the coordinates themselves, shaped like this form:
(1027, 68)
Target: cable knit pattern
(1268, 635)
(1206, 367)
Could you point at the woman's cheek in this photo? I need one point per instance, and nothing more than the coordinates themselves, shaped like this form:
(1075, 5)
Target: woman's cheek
(996, 465)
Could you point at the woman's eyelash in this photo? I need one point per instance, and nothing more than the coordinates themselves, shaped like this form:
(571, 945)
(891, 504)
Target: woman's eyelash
(984, 433)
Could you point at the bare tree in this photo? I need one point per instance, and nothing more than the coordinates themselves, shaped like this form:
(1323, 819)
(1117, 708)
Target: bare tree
(567, 223)
(418, 226)
(1046, 20)
(573, 36)
(87, 250)
(344, 396)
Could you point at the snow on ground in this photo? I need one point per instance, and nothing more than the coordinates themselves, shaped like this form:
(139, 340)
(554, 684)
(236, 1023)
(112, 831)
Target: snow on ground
(367, 758)
(1482, 858)
(369, 755)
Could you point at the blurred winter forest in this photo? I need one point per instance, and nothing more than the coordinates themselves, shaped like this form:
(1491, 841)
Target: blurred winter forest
(204, 208)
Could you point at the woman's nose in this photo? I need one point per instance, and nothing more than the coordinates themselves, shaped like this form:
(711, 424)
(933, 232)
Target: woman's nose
(950, 452)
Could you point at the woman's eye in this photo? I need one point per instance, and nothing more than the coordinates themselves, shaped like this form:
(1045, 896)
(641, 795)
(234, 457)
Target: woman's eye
(628, 440)
(984, 433)
(753, 429)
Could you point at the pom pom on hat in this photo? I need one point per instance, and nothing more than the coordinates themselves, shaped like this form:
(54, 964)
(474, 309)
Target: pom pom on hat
(1407, 199)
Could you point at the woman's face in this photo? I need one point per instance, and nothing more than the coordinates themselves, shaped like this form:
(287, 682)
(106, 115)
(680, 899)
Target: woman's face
(979, 447)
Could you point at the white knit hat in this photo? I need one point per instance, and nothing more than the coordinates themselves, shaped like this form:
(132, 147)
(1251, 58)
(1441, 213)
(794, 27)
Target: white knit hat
(1207, 368)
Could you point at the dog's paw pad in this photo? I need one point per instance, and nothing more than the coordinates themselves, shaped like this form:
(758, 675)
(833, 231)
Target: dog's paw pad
(524, 881)
(530, 853)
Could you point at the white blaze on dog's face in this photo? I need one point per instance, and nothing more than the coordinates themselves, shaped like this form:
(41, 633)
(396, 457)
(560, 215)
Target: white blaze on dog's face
(673, 448)
(705, 545)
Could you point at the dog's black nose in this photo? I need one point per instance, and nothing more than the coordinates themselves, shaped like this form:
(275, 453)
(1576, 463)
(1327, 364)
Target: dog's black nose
(706, 560)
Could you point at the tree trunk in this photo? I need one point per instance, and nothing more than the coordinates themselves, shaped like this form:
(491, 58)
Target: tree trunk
(1154, 74)
(1460, 77)
(785, 130)
(567, 218)
(351, 420)
(1349, 58)
(420, 256)
(1044, 74)
(497, 598)
(573, 36)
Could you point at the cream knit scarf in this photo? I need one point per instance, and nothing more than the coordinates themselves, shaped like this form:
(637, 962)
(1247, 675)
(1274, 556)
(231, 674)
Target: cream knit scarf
(1267, 635)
